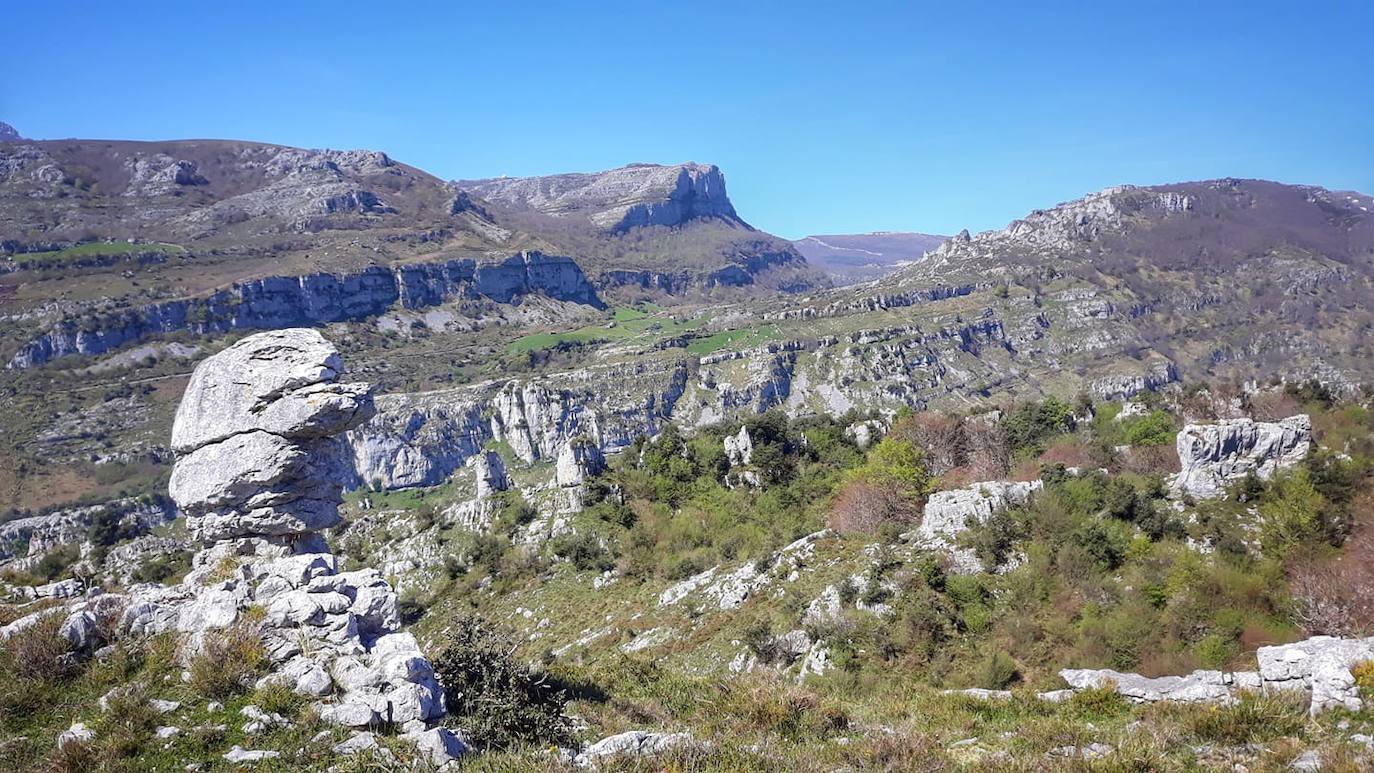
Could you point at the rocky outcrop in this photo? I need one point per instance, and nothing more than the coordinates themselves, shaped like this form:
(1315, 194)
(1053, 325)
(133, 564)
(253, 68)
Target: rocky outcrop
(578, 460)
(316, 299)
(1215, 456)
(1197, 687)
(947, 514)
(26, 540)
(8, 133)
(631, 743)
(1320, 666)
(423, 439)
(260, 474)
(256, 431)
(619, 199)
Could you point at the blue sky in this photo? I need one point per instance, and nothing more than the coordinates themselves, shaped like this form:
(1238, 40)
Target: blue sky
(825, 119)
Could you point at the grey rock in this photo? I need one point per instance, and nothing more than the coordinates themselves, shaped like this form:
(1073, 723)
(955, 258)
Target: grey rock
(1197, 687)
(578, 460)
(239, 754)
(358, 742)
(281, 302)
(947, 514)
(1320, 665)
(618, 199)
(255, 427)
(1215, 456)
(281, 382)
(633, 743)
(164, 706)
(439, 745)
(1310, 760)
(77, 733)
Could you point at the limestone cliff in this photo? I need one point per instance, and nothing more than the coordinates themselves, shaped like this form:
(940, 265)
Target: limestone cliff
(619, 199)
(314, 299)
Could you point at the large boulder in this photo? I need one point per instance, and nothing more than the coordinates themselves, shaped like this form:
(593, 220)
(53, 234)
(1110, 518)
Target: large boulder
(947, 514)
(1321, 665)
(1214, 456)
(258, 432)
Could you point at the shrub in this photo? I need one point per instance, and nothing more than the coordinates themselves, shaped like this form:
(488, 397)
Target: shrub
(997, 671)
(863, 507)
(163, 568)
(1290, 513)
(1363, 672)
(39, 651)
(1255, 717)
(228, 661)
(126, 724)
(1153, 429)
(1031, 424)
(499, 700)
(1337, 597)
(584, 550)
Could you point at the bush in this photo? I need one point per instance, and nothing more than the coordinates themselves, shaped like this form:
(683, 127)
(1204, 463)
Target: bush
(39, 651)
(1153, 429)
(1255, 717)
(584, 550)
(499, 700)
(1031, 424)
(997, 671)
(863, 507)
(228, 661)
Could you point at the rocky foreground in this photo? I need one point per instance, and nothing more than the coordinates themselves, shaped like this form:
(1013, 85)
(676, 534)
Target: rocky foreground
(258, 479)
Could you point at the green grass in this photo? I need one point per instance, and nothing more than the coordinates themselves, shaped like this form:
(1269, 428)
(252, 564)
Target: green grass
(625, 323)
(717, 341)
(91, 250)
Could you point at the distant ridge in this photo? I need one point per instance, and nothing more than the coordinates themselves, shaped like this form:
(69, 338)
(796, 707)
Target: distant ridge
(850, 258)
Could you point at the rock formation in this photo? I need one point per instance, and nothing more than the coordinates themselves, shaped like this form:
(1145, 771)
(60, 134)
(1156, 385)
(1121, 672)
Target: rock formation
(1214, 456)
(313, 299)
(618, 199)
(260, 475)
(949, 513)
(1320, 666)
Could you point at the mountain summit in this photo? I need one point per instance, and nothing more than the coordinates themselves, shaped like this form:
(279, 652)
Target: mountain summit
(618, 199)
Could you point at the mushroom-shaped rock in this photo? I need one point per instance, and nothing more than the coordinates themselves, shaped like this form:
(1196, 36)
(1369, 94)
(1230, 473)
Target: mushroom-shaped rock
(258, 432)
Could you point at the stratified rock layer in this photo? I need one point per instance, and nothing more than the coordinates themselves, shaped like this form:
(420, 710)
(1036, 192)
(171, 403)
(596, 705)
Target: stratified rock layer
(1215, 456)
(256, 428)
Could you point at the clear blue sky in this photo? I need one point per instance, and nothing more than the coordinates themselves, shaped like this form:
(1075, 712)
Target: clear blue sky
(825, 119)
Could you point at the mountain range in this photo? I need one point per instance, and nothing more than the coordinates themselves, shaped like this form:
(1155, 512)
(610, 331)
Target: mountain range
(850, 258)
(311, 454)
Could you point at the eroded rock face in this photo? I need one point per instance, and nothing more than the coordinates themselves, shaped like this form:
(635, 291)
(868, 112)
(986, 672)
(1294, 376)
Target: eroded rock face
(1215, 456)
(947, 514)
(257, 429)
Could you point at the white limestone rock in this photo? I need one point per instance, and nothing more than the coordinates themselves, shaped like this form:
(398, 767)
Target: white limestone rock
(280, 381)
(578, 460)
(439, 745)
(947, 514)
(1321, 665)
(77, 733)
(1197, 687)
(633, 743)
(1215, 456)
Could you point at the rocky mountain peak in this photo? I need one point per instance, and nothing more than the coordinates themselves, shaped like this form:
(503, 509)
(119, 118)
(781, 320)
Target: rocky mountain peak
(8, 133)
(617, 199)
